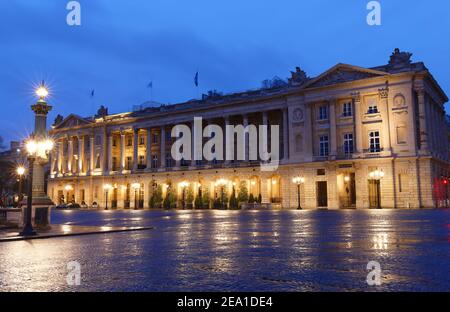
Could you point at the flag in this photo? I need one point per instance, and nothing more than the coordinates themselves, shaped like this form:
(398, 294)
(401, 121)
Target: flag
(196, 79)
(150, 85)
(92, 93)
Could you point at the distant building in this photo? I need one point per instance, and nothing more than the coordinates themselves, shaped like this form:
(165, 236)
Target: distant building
(341, 131)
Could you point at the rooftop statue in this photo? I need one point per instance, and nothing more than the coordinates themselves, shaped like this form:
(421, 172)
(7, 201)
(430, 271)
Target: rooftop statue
(298, 77)
(399, 59)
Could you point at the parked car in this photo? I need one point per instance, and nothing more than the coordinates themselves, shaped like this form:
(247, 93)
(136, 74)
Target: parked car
(68, 206)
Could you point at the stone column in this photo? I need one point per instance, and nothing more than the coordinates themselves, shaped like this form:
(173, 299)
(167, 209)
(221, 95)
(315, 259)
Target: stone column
(70, 155)
(358, 121)
(122, 151)
(333, 136)
(193, 162)
(384, 101)
(104, 151)
(422, 121)
(308, 140)
(246, 137)
(60, 146)
(228, 149)
(81, 143)
(163, 147)
(285, 134)
(92, 153)
(135, 148)
(110, 154)
(148, 148)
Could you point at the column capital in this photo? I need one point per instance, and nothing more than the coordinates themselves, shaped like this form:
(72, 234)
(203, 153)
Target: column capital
(384, 93)
(356, 96)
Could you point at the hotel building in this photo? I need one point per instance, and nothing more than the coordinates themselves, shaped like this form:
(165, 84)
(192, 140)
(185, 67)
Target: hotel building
(359, 137)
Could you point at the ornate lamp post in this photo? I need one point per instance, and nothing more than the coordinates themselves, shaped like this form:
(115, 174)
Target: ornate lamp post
(38, 147)
(299, 181)
(20, 172)
(183, 186)
(136, 187)
(376, 176)
(107, 187)
(37, 154)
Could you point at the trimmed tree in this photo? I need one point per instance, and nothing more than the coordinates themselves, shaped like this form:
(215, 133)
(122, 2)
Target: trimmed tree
(157, 198)
(243, 193)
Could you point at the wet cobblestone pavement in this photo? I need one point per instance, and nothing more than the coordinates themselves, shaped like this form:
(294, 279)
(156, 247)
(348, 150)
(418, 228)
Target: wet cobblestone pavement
(238, 251)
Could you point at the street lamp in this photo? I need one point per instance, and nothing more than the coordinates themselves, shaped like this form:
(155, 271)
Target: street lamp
(136, 187)
(107, 188)
(376, 176)
(183, 186)
(37, 151)
(299, 181)
(20, 172)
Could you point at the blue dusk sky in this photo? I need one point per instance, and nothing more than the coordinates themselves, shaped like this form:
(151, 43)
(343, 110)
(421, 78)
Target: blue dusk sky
(123, 45)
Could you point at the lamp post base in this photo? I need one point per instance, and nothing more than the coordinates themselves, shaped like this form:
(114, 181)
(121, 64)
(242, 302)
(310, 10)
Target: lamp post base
(28, 231)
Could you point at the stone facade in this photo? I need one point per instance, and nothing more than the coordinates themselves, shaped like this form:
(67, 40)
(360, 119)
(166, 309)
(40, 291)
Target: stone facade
(335, 130)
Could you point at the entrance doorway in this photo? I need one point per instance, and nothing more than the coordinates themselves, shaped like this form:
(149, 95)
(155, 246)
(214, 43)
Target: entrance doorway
(349, 191)
(114, 198)
(322, 194)
(374, 194)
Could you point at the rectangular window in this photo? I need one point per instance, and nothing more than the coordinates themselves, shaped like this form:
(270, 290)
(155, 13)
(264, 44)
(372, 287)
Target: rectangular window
(323, 112)
(374, 142)
(114, 142)
(348, 143)
(155, 161)
(321, 172)
(347, 109)
(373, 109)
(114, 164)
(141, 140)
(323, 146)
(141, 160)
(129, 140)
(128, 163)
(155, 138)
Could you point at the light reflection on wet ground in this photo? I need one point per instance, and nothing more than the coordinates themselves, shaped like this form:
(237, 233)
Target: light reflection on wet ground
(238, 251)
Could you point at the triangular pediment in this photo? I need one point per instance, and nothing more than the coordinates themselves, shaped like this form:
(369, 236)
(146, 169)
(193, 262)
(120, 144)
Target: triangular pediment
(72, 121)
(342, 73)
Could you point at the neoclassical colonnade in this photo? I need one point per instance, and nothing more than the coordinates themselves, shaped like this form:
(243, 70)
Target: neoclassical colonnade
(124, 150)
